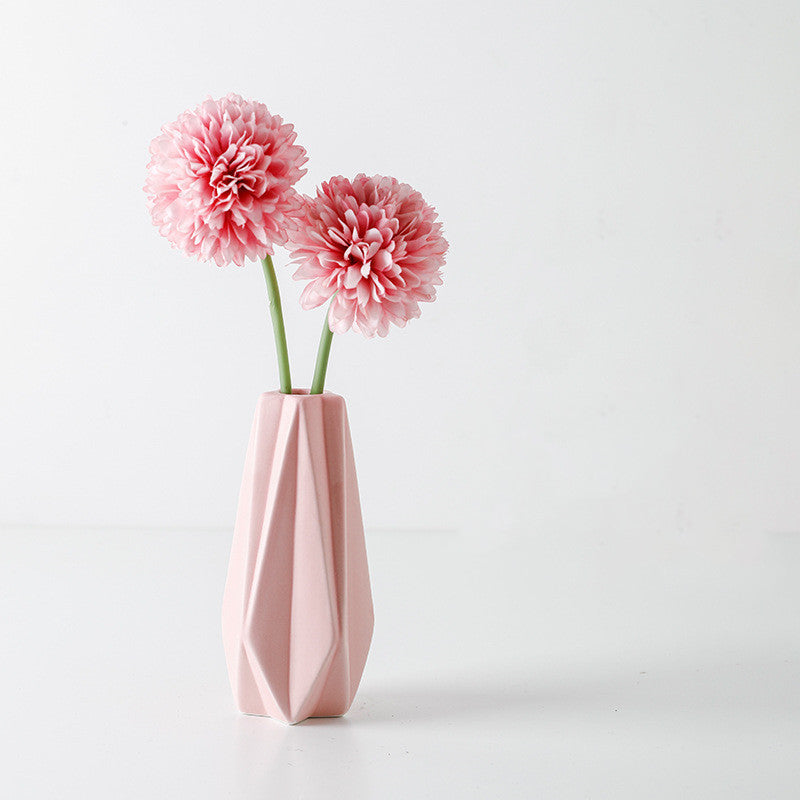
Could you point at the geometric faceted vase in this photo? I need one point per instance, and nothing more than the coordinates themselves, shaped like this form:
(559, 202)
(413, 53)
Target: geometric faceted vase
(297, 612)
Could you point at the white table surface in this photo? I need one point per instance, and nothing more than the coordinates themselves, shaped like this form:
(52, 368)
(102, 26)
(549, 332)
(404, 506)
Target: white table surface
(574, 665)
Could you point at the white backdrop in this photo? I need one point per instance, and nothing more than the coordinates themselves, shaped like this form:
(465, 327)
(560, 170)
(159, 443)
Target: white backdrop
(617, 336)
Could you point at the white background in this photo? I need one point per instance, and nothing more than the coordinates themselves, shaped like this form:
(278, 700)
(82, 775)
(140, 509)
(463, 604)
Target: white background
(617, 331)
(579, 468)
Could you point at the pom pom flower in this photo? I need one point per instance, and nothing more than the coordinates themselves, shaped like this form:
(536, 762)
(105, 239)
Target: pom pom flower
(220, 180)
(374, 245)
(220, 187)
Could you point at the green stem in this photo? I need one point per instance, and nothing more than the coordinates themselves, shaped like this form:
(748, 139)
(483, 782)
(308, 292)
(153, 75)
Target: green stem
(318, 384)
(277, 325)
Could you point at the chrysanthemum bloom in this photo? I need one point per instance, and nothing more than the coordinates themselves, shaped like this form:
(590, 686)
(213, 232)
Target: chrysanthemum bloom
(374, 243)
(220, 180)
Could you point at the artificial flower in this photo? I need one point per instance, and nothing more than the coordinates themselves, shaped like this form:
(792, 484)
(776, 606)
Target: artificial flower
(374, 245)
(220, 180)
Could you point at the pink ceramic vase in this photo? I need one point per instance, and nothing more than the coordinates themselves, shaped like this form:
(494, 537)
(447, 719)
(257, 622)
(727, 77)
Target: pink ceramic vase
(297, 611)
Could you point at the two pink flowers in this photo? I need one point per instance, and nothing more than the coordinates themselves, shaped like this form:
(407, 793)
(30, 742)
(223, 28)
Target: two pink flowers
(220, 187)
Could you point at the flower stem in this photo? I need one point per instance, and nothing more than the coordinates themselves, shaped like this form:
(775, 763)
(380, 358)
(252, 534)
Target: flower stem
(277, 325)
(318, 384)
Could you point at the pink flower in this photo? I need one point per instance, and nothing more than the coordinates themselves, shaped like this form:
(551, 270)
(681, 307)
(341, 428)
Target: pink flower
(220, 179)
(374, 243)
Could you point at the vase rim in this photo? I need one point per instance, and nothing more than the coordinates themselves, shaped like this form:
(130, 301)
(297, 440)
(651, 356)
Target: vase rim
(300, 394)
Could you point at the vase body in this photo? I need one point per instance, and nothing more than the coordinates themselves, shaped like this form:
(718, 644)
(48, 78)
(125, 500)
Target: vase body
(297, 610)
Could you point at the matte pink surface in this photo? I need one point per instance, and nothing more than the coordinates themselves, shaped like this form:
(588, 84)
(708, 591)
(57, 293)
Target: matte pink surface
(297, 611)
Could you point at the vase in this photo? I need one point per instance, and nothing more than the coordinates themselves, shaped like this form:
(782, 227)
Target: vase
(297, 613)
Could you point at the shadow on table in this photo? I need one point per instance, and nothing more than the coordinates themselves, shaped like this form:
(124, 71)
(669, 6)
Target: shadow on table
(442, 699)
(712, 686)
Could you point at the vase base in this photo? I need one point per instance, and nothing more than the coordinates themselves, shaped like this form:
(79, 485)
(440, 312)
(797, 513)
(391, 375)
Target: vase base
(291, 722)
